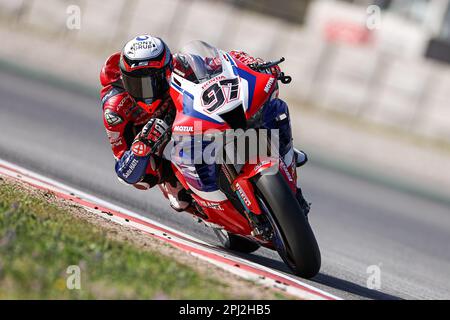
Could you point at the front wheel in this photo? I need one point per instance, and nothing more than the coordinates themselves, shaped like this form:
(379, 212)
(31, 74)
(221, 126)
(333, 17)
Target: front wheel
(293, 236)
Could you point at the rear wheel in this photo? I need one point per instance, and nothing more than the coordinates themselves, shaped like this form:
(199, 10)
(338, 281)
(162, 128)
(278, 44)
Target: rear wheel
(293, 236)
(235, 242)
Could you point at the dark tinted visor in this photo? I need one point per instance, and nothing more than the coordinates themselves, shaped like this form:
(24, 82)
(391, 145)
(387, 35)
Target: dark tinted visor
(146, 88)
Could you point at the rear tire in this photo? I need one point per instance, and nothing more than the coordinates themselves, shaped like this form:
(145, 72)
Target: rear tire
(236, 243)
(301, 252)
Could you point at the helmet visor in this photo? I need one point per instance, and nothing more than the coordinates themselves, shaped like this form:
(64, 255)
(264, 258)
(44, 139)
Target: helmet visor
(146, 88)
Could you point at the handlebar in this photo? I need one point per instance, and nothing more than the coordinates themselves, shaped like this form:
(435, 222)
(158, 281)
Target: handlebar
(270, 64)
(267, 65)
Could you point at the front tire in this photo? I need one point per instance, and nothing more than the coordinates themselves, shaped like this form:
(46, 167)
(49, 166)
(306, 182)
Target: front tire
(300, 250)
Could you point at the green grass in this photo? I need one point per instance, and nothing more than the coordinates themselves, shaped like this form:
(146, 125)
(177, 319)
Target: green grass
(39, 240)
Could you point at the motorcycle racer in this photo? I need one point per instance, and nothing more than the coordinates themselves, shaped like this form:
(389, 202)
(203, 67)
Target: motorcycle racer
(138, 113)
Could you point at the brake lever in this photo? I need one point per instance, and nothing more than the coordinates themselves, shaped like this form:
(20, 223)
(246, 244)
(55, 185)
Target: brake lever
(284, 78)
(263, 66)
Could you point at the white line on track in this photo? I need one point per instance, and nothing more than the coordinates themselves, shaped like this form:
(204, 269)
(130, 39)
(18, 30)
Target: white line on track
(215, 255)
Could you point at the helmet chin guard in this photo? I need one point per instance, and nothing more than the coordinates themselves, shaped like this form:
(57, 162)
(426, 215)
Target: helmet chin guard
(150, 108)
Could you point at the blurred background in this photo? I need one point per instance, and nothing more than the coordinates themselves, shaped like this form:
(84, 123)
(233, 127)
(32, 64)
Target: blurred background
(369, 101)
(375, 85)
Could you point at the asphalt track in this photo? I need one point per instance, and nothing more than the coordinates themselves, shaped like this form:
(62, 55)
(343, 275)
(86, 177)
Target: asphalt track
(358, 223)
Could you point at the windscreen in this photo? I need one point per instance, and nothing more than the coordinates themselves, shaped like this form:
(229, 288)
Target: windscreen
(200, 60)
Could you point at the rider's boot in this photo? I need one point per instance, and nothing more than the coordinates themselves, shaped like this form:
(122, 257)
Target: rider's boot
(173, 190)
(301, 158)
(179, 199)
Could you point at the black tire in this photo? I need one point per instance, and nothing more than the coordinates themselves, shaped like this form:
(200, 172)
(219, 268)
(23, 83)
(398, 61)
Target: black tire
(236, 243)
(302, 252)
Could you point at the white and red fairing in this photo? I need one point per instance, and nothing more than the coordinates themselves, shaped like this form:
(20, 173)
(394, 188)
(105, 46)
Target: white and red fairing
(253, 90)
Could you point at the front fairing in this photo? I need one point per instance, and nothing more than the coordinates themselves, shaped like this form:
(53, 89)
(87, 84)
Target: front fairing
(236, 86)
(201, 108)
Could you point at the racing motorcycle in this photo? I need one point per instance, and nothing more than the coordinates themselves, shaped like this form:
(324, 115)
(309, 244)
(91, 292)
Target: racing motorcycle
(251, 202)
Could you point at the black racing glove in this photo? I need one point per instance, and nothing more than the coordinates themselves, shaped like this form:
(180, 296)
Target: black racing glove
(152, 138)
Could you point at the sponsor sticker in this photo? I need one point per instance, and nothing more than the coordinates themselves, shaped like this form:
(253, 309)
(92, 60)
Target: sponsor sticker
(244, 197)
(142, 38)
(112, 118)
(183, 129)
(132, 166)
(210, 205)
(144, 47)
(269, 85)
(286, 171)
(140, 149)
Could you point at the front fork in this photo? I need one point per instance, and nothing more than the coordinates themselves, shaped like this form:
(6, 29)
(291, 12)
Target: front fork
(243, 187)
(242, 184)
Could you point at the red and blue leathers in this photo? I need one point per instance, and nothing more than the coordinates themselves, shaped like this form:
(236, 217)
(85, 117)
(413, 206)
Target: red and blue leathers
(123, 120)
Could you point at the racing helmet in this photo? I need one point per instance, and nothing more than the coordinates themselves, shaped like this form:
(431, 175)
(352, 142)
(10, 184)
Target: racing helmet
(145, 66)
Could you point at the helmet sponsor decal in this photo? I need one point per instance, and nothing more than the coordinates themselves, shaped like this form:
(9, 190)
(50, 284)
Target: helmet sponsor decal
(142, 38)
(143, 48)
